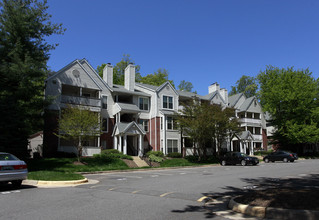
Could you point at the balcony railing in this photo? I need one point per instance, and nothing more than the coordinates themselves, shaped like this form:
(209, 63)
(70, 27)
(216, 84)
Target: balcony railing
(249, 120)
(76, 100)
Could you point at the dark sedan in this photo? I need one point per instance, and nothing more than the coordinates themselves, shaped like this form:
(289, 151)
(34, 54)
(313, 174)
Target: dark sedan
(281, 156)
(238, 158)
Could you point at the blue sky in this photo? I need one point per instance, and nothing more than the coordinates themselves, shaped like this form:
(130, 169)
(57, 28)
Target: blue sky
(200, 41)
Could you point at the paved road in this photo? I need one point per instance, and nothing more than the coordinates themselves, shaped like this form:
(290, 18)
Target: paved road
(152, 194)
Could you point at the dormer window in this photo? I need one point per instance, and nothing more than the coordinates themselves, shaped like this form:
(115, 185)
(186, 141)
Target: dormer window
(168, 102)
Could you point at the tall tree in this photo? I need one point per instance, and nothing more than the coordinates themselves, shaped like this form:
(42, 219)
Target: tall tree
(246, 85)
(157, 78)
(206, 125)
(185, 86)
(78, 125)
(291, 98)
(24, 52)
(119, 70)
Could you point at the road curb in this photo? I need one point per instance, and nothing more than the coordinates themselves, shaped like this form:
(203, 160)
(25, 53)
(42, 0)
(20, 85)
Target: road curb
(55, 183)
(272, 213)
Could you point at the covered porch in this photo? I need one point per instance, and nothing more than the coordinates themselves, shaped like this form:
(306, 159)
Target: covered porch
(129, 138)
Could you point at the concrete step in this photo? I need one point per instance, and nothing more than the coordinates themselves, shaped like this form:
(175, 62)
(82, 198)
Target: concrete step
(139, 162)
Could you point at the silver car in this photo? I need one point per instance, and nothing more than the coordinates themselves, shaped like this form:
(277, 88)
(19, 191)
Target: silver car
(12, 169)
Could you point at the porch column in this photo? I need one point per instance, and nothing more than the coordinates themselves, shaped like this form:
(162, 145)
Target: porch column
(115, 143)
(252, 148)
(164, 135)
(241, 143)
(231, 145)
(140, 146)
(125, 145)
(120, 143)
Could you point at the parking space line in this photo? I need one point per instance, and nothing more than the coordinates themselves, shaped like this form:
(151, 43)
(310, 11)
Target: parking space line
(136, 191)
(165, 194)
(112, 189)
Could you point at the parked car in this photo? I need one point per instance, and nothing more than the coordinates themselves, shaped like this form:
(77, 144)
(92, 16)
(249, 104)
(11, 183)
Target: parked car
(238, 158)
(12, 169)
(281, 156)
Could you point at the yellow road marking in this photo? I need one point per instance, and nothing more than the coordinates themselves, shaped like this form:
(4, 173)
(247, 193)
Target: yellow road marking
(136, 191)
(201, 199)
(165, 194)
(112, 189)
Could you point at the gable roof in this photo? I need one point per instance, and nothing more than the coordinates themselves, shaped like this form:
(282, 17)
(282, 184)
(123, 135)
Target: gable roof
(247, 103)
(246, 135)
(69, 66)
(232, 100)
(123, 127)
(190, 94)
(156, 88)
(122, 89)
(98, 76)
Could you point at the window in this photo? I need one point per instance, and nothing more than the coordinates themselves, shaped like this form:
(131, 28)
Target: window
(144, 123)
(171, 123)
(104, 125)
(172, 146)
(143, 103)
(168, 102)
(104, 102)
(257, 130)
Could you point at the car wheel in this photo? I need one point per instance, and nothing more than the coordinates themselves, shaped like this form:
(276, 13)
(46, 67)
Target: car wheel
(223, 163)
(285, 160)
(266, 160)
(243, 163)
(17, 183)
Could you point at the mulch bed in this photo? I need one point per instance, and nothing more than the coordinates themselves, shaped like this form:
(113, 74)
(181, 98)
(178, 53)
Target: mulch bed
(286, 198)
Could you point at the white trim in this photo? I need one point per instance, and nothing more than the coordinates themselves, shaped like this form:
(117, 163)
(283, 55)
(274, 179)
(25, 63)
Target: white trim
(148, 103)
(167, 102)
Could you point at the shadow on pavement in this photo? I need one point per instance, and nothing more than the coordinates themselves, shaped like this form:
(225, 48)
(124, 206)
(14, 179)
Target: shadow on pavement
(218, 201)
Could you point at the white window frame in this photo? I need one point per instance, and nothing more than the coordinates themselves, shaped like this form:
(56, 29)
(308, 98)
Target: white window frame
(172, 140)
(148, 103)
(168, 102)
(173, 123)
(144, 124)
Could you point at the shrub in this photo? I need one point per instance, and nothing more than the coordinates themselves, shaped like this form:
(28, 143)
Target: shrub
(155, 153)
(174, 155)
(192, 158)
(154, 158)
(110, 151)
(61, 154)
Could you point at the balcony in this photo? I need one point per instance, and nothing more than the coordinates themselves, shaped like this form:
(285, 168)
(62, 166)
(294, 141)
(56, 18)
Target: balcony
(76, 100)
(250, 120)
(257, 137)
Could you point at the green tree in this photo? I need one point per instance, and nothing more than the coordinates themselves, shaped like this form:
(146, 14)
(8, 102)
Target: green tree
(157, 78)
(24, 52)
(78, 125)
(185, 86)
(206, 125)
(119, 70)
(291, 98)
(246, 85)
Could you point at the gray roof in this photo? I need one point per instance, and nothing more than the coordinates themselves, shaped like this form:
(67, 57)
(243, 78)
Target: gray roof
(245, 135)
(122, 89)
(166, 112)
(151, 87)
(128, 107)
(124, 126)
(246, 104)
(234, 99)
(190, 94)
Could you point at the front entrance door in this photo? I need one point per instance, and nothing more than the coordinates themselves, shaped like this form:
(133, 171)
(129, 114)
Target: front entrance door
(131, 146)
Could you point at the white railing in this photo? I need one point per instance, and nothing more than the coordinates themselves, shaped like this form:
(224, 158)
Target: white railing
(76, 100)
(250, 120)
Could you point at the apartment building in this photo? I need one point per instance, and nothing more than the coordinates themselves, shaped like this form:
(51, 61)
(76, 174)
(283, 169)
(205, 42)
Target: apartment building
(136, 117)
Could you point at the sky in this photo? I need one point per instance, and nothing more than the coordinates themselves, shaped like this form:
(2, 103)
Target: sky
(200, 41)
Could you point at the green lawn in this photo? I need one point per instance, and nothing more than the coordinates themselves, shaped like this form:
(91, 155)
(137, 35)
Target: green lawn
(56, 169)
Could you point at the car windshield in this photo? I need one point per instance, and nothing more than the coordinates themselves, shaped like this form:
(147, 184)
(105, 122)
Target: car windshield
(7, 157)
(243, 155)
